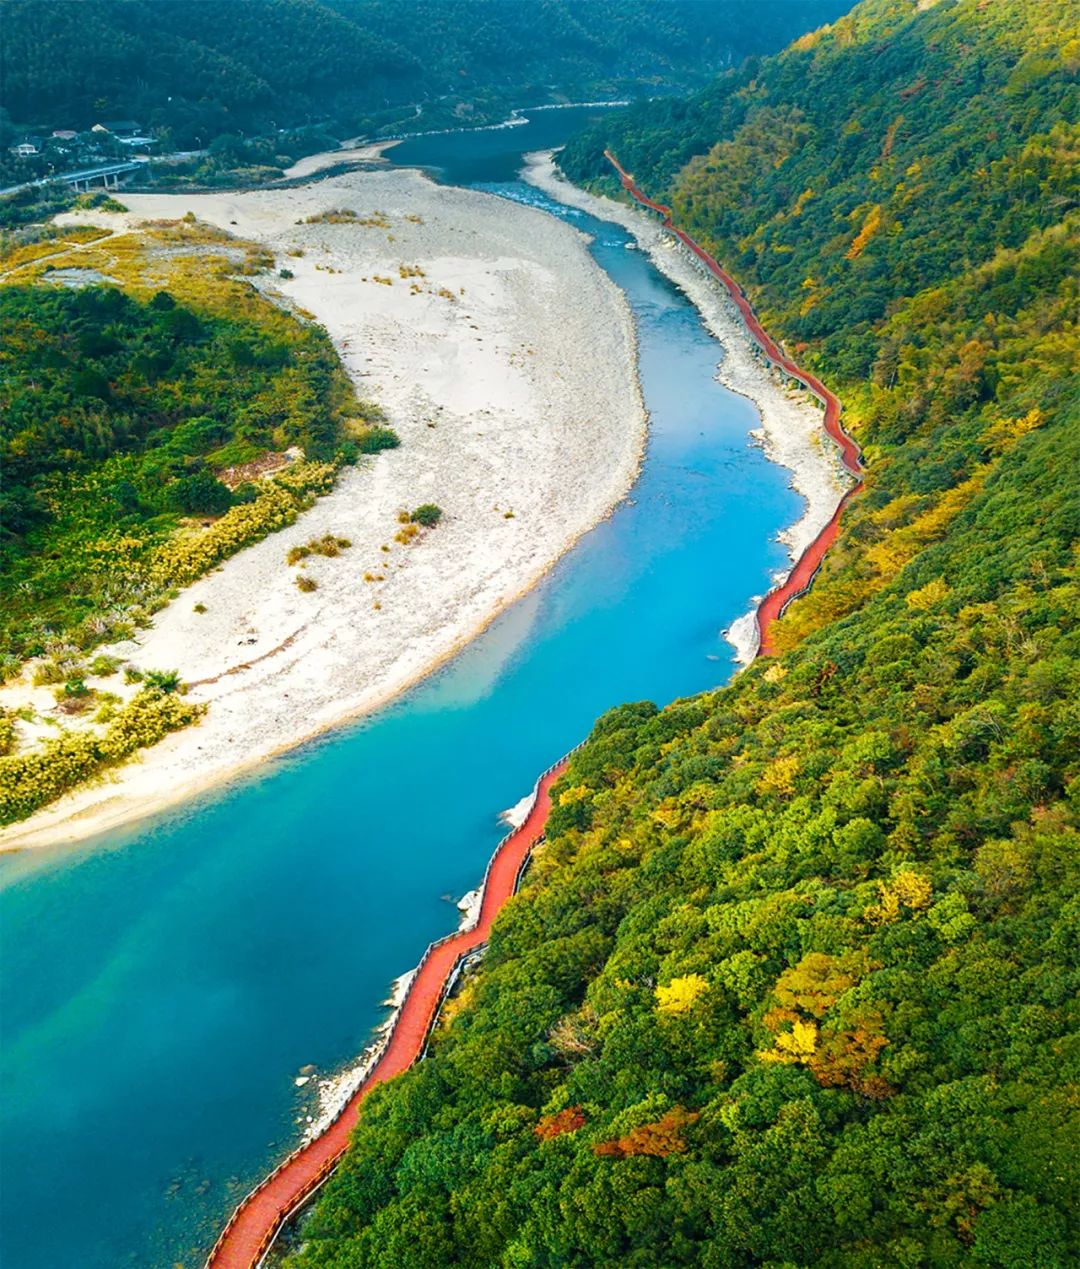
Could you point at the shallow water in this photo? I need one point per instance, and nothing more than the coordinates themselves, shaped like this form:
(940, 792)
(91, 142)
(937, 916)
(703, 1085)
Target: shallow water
(163, 986)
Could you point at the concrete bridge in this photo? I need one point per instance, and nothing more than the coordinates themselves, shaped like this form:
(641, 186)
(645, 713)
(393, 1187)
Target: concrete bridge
(109, 174)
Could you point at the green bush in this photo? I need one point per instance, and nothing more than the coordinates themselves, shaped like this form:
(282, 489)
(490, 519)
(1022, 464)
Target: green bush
(163, 680)
(374, 439)
(428, 515)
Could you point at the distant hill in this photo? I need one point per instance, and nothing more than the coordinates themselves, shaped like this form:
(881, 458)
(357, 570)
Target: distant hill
(793, 979)
(204, 68)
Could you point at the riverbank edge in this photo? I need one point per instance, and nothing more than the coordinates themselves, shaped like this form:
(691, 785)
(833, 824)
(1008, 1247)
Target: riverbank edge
(801, 577)
(325, 1146)
(790, 434)
(58, 825)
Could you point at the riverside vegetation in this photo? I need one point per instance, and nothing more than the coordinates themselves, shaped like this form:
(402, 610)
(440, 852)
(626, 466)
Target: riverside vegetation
(157, 416)
(793, 979)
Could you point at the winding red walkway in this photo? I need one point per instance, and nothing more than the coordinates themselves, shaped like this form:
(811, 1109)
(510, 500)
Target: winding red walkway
(798, 580)
(256, 1222)
(260, 1216)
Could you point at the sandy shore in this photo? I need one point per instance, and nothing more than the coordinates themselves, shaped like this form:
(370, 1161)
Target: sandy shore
(507, 367)
(332, 158)
(791, 420)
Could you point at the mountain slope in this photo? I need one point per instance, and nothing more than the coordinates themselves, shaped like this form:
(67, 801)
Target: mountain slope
(204, 69)
(794, 979)
(870, 160)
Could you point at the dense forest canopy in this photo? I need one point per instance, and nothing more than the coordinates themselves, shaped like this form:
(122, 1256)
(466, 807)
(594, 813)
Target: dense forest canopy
(794, 979)
(844, 182)
(117, 415)
(203, 69)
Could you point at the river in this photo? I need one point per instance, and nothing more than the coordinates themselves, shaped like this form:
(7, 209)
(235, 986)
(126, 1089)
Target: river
(163, 986)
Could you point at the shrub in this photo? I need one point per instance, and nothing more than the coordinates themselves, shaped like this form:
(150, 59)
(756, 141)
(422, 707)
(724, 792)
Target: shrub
(306, 584)
(201, 493)
(328, 545)
(7, 732)
(374, 439)
(99, 200)
(163, 680)
(103, 666)
(427, 515)
(335, 216)
(307, 478)
(48, 672)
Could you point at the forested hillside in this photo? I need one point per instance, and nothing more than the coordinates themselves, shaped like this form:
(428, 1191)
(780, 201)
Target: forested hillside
(119, 412)
(794, 979)
(202, 70)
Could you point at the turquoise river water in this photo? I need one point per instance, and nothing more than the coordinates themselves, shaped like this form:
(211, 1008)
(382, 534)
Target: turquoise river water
(162, 986)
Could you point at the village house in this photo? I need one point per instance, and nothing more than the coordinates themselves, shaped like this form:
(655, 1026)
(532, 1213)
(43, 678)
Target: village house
(120, 128)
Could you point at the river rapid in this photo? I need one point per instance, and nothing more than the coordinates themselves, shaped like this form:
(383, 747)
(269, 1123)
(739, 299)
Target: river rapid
(162, 987)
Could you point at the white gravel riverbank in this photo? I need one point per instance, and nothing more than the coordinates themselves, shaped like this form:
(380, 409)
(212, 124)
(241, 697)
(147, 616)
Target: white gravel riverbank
(506, 363)
(791, 419)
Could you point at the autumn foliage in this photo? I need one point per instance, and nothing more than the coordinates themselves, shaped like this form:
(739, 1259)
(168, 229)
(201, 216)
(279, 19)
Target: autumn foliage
(568, 1120)
(659, 1139)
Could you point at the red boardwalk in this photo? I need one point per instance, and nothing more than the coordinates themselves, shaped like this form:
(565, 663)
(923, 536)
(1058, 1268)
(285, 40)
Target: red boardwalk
(257, 1220)
(807, 565)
